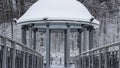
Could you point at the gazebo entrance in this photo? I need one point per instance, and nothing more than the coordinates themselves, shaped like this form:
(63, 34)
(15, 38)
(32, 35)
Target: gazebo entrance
(62, 26)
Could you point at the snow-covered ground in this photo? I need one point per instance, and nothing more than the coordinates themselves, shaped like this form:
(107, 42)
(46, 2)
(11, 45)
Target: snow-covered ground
(62, 66)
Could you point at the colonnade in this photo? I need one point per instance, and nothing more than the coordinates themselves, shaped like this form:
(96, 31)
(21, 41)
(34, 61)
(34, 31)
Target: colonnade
(85, 33)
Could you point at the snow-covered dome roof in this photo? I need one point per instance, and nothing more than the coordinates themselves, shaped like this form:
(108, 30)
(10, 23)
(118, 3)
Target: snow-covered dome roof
(57, 10)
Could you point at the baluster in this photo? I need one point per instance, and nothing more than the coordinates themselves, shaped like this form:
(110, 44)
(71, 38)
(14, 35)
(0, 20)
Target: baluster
(85, 62)
(4, 52)
(89, 60)
(119, 56)
(82, 62)
(1, 50)
(92, 59)
(32, 60)
(42, 62)
(100, 59)
(106, 58)
(80, 65)
(23, 60)
(13, 54)
(37, 62)
(27, 60)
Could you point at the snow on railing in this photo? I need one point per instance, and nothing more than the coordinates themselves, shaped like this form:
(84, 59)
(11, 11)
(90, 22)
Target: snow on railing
(14, 54)
(106, 56)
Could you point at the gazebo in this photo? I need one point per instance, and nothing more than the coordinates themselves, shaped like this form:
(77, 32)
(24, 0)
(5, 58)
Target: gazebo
(58, 15)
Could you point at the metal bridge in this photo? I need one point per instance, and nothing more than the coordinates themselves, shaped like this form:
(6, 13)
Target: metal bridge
(107, 56)
(14, 54)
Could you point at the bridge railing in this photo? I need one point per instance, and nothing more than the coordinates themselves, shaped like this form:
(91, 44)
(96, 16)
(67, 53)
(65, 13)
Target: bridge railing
(107, 56)
(16, 55)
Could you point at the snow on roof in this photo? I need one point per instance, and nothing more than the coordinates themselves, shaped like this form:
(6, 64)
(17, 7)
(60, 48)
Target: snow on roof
(57, 10)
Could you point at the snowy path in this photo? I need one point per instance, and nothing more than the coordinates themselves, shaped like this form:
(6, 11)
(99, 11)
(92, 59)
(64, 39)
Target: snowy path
(61, 66)
(57, 66)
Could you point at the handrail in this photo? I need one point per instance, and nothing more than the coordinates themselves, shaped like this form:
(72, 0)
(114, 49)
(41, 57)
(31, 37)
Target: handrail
(20, 44)
(105, 46)
(25, 53)
(99, 57)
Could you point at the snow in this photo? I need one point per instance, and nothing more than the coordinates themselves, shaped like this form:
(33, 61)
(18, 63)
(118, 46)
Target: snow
(57, 10)
(57, 66)
(62, 66)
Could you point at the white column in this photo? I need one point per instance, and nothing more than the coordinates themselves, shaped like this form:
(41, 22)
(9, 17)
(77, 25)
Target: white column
(91, 32)
(80, 41)
(85, 39)
(47, 47)
(23, 34)
(67, 47)
(34, 40)
(30, 37)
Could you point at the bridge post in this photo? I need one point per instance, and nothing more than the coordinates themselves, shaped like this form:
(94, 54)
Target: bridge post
(4, 53)
(47, 46)
(67, 47)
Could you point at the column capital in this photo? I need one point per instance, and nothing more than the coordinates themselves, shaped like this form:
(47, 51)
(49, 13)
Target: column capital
(68, 24)
(80, 30)
(25, 27)
(47, 24)
(89, 28)
(31, 25)
(35, 29)
(84, 25)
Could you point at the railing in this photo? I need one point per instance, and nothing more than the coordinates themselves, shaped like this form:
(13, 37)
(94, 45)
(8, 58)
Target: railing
(16, 55)
(107, 56)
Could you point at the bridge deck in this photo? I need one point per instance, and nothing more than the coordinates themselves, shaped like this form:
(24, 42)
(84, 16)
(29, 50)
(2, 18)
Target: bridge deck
(61, 66)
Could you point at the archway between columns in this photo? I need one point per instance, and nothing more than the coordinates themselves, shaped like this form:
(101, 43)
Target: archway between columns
(48, 27)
